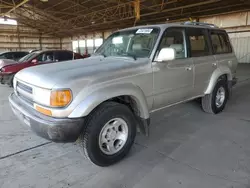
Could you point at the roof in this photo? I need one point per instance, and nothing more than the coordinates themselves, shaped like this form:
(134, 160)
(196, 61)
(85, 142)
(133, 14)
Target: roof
(73, 17)
(181, 24)
(50, 50)
(13, 52)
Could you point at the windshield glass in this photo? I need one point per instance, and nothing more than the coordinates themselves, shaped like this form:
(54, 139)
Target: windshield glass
(137, 43)
(28, 57)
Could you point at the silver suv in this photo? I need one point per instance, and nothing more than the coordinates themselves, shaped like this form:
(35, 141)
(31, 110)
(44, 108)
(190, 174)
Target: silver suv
(105, 99)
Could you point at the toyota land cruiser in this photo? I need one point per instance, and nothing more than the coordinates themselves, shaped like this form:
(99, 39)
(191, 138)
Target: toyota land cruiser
(105, 99)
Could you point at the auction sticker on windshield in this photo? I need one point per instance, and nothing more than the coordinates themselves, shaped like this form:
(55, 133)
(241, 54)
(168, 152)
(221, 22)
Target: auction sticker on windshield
(144, 31)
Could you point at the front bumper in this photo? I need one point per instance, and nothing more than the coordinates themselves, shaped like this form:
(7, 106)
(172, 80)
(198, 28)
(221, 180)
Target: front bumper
(54, 129)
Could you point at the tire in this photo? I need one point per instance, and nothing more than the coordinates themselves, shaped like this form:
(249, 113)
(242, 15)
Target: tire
(209, 104)
(96, 122)
(11, 80)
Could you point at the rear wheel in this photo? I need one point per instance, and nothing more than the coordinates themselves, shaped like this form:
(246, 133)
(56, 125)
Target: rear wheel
(216, 101)
(109, 134)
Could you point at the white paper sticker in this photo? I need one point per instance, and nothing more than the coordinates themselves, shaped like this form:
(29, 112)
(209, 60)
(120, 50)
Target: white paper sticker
(144, 31)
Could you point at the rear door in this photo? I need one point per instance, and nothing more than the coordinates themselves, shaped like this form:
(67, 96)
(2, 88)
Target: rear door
(204, 62)
(222, 49)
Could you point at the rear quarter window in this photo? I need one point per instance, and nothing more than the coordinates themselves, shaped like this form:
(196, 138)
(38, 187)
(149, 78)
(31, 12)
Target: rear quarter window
(220, 42)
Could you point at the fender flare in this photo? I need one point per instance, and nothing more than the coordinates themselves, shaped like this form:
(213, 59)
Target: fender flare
(223, 70)
(95, 98)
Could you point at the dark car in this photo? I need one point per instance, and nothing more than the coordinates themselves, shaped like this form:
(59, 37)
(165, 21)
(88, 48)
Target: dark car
(8, 68)
(13, 55)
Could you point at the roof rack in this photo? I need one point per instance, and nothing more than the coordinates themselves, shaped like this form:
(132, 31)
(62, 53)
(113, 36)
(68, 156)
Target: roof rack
(200, 24)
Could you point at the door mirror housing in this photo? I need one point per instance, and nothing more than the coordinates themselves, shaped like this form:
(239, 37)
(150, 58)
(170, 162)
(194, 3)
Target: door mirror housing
(34, 61)
(166, 54)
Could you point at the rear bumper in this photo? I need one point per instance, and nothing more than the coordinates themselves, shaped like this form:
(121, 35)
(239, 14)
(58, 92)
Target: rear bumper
(54, 129)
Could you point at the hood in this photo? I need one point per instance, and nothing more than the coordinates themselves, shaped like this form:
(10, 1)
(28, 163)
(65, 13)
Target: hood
(81, 71)
(4, 62)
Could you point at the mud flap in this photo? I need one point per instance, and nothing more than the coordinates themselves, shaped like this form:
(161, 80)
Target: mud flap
(231, 83)
(143, 125)
(230, 89)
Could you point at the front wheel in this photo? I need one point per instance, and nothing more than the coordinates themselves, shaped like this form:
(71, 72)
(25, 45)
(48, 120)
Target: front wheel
(216, 101)
(108, 134)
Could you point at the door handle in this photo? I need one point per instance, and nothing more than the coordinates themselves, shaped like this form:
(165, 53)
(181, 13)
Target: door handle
(188, 68)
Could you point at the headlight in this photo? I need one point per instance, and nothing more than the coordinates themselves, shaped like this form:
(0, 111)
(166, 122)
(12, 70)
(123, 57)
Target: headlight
(60, 98)
(41, 96)
(56, 98)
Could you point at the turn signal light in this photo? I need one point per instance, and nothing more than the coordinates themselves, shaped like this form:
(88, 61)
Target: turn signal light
(60, 98)
(43, 111)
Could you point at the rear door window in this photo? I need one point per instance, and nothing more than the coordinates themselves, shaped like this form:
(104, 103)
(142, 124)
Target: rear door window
(18, 55)
(220, 42)
(7, 56)
(198, 42)
(64, 56)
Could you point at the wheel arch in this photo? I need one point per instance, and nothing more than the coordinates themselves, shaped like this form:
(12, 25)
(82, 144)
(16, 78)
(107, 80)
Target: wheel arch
(128, 94)
(221, 72)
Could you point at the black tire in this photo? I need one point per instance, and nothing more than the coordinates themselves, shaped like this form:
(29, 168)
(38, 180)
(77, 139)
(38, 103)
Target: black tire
(209, 101)
(11, 80)
(89, 138)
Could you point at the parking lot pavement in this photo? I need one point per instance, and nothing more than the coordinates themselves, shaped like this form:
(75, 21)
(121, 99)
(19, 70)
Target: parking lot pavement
(186, 148)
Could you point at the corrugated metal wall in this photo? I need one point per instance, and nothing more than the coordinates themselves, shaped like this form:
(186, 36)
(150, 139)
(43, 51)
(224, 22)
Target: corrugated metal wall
(67, 42)
(14, 38)
(241, 46)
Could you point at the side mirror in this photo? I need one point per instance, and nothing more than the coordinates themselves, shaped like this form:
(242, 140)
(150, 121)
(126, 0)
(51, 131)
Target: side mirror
(34, 61)
(166, 54)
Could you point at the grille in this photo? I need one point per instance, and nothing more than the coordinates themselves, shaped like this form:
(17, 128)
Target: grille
(24, 92)
(24, 87)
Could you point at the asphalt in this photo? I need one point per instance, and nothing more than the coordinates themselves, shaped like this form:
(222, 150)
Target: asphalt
(187, 148)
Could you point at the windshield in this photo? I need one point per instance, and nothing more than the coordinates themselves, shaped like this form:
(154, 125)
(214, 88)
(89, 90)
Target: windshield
(137, 43)
(28, 57)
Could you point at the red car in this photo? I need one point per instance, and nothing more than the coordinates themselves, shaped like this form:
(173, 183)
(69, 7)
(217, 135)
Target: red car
(8, 68)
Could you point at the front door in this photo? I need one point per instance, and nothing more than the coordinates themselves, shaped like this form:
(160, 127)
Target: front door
(173, 80)
(46, 57)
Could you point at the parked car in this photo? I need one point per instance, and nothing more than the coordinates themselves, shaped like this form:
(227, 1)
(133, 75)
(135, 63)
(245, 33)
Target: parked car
(9, 68)
(13, 55)
(102, 101)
